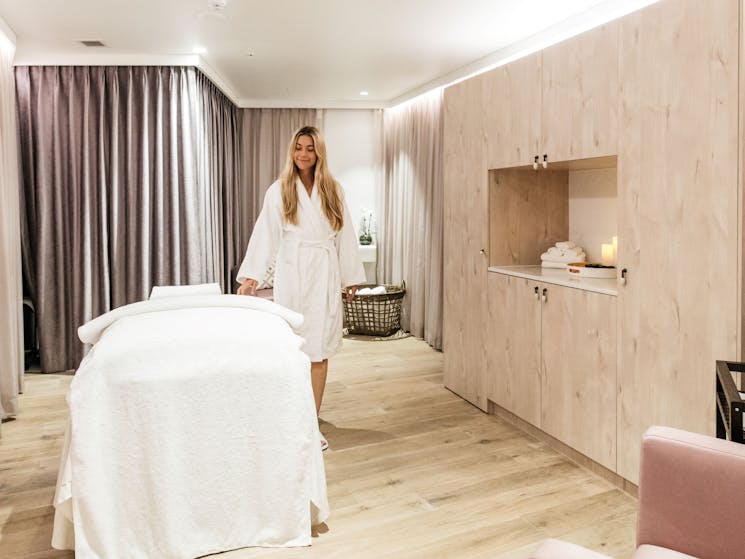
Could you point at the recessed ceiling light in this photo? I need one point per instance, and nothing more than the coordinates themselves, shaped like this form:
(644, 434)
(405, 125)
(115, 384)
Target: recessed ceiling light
(199, 50)
(364, 93)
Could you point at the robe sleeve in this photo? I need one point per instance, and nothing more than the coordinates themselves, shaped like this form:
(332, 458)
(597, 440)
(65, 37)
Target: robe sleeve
(351, 270)
(264, 242)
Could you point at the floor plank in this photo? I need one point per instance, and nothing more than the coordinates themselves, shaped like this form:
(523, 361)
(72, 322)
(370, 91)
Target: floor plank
(413, 471)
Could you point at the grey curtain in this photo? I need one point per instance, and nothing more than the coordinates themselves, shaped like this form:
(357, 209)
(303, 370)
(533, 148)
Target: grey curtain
(410, 242)
(119, 192)
(266, 133)
(220, 164)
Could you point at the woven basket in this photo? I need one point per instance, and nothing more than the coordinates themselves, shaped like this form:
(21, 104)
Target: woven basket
(374, 315)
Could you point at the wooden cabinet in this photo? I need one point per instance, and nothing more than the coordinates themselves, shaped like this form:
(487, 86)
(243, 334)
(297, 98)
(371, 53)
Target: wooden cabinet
(514, 346)
(490, 121)
(512, 112)
(552, 361)
(561, 102)
(465, 241)
(580, 96)
(659, 89)
(678, 216)
(578, 360)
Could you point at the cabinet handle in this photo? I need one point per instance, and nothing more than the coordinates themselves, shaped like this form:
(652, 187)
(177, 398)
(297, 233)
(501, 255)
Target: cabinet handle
(545, 160)
(545, 294)
(622, 279)
(482, 252)
(535, 290)
(535, 163)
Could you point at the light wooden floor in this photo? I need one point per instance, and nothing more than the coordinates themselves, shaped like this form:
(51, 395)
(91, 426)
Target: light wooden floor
(413, 471)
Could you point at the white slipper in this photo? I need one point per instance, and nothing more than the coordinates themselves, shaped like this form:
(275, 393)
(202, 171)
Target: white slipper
(324, 443)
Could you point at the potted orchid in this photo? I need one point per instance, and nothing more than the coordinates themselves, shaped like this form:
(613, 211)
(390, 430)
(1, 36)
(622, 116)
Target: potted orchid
(366, 227)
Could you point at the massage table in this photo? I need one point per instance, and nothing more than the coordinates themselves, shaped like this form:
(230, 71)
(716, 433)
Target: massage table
(192, 431)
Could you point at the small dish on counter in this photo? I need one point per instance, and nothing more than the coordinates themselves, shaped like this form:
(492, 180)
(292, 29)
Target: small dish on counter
(591, 270)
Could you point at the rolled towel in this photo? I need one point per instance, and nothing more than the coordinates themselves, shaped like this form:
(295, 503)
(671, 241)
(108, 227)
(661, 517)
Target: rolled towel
(159, 291)
(546, 257)
(549, 264)
(554, 251)
(564, 245)
(364, 291)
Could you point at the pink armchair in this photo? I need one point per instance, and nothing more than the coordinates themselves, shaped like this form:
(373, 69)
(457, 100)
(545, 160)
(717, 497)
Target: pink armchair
(691, 500)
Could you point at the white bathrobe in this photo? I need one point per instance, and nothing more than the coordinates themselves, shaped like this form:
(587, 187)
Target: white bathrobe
(313, 264)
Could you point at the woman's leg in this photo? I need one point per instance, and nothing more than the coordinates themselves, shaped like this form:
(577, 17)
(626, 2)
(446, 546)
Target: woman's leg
(318, 372)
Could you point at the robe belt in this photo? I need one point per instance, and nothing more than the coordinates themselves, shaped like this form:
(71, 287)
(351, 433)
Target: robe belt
(333, 281)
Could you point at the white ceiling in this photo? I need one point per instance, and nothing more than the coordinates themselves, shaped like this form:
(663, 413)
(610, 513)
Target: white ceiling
(311, 53)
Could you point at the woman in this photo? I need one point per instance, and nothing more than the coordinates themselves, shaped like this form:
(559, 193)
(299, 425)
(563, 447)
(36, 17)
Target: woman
(306, 225)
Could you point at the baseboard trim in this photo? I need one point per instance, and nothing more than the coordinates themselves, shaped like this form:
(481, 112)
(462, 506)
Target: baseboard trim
(588, 463)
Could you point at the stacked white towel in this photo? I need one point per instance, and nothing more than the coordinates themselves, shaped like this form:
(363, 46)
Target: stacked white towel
(561, 254)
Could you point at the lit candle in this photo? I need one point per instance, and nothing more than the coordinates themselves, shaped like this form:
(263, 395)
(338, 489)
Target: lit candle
(607, 254)
(615, 250)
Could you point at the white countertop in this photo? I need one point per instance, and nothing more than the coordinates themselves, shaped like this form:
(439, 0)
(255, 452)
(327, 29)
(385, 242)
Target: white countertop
(558, 276)
(368, 253)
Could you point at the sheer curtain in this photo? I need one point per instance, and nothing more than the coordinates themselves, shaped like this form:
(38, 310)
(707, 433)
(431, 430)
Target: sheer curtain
(266, 134)
(11, 321)
(410, 238)
(118, 192)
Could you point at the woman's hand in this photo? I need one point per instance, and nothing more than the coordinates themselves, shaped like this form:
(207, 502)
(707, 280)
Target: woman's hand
(350, 291)
(248, 287)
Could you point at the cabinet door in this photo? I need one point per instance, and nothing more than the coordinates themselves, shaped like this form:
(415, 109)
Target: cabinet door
(580, 96)
(578, 389)
(514, 346)
(512, 112)
(678, 219)
(465, 242)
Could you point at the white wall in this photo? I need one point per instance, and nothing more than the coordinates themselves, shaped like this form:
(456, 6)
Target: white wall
(593, 213)
(354, 143)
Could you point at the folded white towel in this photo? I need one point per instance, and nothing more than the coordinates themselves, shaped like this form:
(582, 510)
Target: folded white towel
(554, 251)
(563, 245)
(548, 264)
(576, 251)
(159, 291)
(546, 257)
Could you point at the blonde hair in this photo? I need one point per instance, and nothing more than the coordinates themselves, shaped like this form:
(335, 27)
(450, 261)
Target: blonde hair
(328, 189)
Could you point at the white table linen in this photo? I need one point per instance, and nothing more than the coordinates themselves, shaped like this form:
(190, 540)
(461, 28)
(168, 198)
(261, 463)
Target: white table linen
(192, 431)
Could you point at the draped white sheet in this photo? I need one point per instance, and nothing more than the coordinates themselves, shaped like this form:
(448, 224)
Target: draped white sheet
(11, 293)
(192, 431)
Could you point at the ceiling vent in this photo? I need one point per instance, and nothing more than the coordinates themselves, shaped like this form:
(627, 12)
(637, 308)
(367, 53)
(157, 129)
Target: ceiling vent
(217, 5)
(215, 11)
(92, 43)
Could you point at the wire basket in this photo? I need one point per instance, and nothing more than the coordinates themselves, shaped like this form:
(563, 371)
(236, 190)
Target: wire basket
(374, 315)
